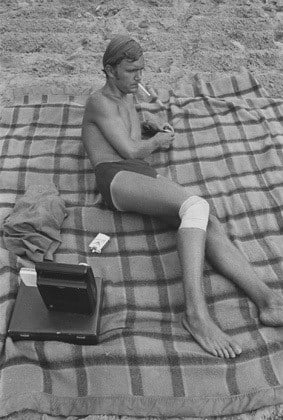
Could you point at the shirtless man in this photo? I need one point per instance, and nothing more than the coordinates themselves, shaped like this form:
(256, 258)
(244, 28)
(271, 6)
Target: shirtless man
(111, 134)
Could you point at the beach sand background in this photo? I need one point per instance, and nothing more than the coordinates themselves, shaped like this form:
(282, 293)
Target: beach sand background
(56, 46)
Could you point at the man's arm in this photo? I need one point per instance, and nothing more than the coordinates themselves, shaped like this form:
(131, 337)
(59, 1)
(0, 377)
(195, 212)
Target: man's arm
(106, 117)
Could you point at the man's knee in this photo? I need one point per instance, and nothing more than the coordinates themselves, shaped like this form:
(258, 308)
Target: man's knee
(194, 213)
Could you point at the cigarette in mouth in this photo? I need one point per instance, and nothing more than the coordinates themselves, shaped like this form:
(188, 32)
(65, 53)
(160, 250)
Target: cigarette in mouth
(153, 98)
(144, 89)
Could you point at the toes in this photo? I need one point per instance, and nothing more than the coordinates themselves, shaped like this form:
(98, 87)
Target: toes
(218, 345)
(213, 351)
(209, 347)
(216, 349)
(231, 351)
(234, 349)
(223, 350)
(237, 349)
(220, 352)
(226, 353)
(228, 349)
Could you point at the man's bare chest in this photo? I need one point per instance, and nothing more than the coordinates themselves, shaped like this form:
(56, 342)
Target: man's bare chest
(130, 118)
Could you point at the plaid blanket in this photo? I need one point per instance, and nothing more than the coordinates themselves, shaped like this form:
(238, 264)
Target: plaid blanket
(228, 149)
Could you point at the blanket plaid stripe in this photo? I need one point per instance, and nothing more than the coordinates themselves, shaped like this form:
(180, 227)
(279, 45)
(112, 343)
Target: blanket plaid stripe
(229, 150)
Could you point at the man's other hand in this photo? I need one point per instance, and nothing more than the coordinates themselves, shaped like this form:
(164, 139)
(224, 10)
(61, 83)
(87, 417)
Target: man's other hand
(168, 128)
(165, 139)
(149, 127)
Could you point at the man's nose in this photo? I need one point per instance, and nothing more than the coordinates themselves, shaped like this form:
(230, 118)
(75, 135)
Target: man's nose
(138, 76)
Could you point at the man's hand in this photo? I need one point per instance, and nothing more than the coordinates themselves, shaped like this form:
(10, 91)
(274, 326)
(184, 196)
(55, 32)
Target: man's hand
(164, 139)
(149, 128)
(168, 128)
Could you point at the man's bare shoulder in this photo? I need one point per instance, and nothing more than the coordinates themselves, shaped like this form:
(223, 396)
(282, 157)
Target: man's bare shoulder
(103, 98)
(98, 106)
(99, 102)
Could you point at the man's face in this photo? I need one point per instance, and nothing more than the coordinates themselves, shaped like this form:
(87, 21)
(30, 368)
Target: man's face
(128, 74)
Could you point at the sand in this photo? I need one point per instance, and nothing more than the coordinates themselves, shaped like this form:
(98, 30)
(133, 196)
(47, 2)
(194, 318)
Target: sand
(57, 45)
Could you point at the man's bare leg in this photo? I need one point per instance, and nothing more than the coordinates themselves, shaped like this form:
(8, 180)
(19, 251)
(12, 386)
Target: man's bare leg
(161, 198)
(231, 263)
(197, 319)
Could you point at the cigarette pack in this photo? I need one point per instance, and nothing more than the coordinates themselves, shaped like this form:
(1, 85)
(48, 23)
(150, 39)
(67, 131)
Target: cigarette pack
(99, 242)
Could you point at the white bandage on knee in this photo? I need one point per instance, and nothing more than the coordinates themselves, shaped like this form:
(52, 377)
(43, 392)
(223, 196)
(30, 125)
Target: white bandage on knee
(194, 213)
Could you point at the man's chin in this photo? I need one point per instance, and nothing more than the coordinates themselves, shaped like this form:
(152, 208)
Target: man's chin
(134, 89)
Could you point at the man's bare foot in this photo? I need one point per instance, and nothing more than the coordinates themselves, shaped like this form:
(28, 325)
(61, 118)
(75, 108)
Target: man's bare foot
(271, 314)
(210, 337)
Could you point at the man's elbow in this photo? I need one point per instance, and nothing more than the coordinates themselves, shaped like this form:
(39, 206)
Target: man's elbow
(132, 153)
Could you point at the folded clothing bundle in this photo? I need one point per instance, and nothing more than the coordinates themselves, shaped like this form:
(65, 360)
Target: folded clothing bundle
(32, 230)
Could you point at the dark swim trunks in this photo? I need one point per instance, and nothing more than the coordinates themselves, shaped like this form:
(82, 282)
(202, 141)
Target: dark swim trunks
(105, 172)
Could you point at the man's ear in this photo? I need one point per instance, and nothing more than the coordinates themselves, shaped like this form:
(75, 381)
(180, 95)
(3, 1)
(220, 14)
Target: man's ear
(109, 70)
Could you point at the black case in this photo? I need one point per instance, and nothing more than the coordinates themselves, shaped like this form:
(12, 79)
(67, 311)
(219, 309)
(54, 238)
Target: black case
(67, 287)
(31, 320)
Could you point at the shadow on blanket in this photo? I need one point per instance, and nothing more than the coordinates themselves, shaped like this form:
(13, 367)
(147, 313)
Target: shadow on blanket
(228, 149)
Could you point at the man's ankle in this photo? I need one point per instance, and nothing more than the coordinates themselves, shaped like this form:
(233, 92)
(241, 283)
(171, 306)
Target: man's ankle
(196, 313)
